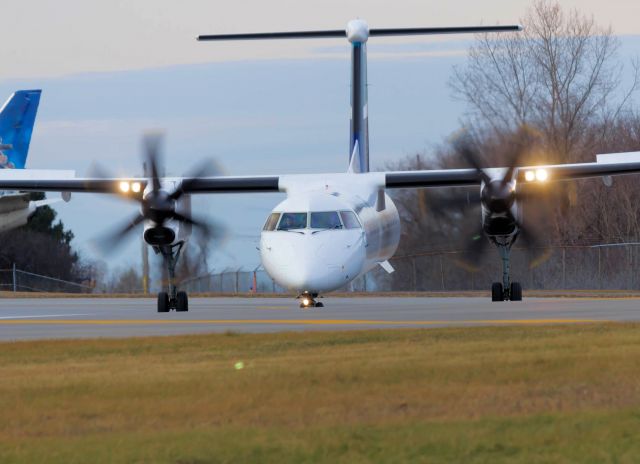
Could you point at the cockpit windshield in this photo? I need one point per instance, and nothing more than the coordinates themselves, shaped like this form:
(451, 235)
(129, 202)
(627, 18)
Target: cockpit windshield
(325, 220)
(350, 220)
(271, 222)
(319, 220)
(291, 221)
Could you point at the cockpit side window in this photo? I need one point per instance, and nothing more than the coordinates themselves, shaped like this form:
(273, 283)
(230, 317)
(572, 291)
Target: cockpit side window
(326, 220)
(293, 221)
(272, 221)
(350, 220)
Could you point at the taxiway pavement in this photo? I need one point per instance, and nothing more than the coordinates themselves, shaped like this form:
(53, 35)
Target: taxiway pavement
(23, 319)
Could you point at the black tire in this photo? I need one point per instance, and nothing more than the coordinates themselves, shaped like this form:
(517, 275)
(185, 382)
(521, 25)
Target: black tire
(319, 304)
(497, 293)
(182, 301)
(516, 291)
(163, 302)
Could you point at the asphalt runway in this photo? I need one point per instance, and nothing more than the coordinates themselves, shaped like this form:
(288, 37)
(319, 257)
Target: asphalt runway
(24, 319)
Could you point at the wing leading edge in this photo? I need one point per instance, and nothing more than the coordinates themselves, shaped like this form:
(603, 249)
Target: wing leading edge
(256, 184)
(465, 177)
(114, 185)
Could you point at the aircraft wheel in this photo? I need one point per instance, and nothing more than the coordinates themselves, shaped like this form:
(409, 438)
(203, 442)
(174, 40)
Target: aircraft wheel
(516, 291)
(497, 292)
(182, 301)
(163, 302)
(307, 302)
(319, 304)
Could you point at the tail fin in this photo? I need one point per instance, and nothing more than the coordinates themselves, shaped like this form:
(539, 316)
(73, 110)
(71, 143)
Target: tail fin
(17, 116)
(358, 33)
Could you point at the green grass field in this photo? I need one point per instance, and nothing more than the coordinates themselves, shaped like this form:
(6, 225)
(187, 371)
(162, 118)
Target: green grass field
(471, 395)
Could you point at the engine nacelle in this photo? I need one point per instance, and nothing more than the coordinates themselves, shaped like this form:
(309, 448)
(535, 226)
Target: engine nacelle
(159, 235)
(499, 225)
(167, 232)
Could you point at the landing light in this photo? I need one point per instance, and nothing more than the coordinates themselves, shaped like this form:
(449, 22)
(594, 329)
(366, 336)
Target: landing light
(124, 186)
(542, 175)
(136, 187)
(305, 301)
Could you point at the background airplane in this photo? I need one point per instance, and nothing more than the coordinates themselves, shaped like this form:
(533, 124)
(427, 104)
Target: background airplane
(332, 227)
(17, 117)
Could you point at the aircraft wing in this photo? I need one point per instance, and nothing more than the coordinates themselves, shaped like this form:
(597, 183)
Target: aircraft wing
(607, 165)
(63, 181)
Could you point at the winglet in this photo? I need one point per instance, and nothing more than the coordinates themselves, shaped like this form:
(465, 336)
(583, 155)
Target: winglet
(386, 265)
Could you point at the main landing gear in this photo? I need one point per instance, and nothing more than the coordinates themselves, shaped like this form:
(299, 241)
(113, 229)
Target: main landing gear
(308, 300)
(173, 299)
(505, 290)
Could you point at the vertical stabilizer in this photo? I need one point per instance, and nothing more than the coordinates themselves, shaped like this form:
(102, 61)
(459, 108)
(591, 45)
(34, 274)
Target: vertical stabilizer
(17, 116)
(358, 34)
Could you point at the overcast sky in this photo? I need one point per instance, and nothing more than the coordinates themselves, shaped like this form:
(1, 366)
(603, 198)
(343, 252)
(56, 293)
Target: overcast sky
(110, 70)
(52, 38)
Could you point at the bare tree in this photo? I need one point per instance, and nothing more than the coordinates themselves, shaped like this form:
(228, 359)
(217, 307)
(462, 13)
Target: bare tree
(561, 75)
(126, 280)
(561, 78)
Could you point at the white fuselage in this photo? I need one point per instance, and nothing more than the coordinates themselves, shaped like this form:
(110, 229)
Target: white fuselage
(311, 256)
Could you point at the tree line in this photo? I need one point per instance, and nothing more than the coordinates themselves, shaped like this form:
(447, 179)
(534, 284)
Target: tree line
(558, 92)
(42, 246)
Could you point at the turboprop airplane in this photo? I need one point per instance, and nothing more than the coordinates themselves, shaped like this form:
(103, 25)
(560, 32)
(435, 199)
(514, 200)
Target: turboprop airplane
(332, 227)
(17, 117)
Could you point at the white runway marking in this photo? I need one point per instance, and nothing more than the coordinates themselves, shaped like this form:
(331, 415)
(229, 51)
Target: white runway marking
(42, 315)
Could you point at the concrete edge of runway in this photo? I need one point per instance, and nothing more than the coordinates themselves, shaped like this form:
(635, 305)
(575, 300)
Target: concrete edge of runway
(586, 294)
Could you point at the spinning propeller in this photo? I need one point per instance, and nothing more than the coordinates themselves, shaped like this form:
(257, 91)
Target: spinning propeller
(158, 205)
(497, 197)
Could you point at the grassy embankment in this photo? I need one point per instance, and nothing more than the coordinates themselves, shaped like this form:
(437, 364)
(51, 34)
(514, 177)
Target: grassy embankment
(504, 394)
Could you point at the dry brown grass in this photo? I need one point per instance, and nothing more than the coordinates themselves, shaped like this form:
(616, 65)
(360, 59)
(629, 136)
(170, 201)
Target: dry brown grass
(472, 394)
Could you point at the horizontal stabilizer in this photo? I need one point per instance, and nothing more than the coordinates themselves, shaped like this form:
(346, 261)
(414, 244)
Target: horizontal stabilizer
(341, 33)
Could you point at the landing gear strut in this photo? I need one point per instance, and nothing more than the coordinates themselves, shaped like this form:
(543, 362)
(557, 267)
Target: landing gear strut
(506, 290)
(173, 299)
(308, 300)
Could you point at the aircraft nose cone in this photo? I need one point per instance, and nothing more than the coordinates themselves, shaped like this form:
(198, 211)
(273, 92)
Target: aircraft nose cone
(315, 262)
(310, 269)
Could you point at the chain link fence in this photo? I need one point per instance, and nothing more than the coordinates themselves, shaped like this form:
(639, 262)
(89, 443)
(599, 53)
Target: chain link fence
(16, 280)
(233, 281)
(595, 267)
(599, 267)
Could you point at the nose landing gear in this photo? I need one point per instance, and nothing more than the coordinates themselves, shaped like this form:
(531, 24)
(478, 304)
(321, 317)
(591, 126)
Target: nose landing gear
(307, 300)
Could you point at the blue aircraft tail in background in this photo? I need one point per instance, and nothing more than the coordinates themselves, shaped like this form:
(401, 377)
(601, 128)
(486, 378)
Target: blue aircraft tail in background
(16, 125)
